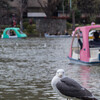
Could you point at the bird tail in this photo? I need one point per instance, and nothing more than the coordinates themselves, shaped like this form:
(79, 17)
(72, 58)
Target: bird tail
(94, 99)
(89, 98)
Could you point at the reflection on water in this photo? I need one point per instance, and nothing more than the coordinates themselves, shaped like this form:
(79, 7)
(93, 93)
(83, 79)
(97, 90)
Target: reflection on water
(28, 65)
(85, 75)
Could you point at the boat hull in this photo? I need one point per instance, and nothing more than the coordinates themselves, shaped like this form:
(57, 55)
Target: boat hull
(82, 62)
(12, 37)
(56, 36)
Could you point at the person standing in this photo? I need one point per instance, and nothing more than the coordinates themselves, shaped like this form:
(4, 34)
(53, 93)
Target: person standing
(14, 23)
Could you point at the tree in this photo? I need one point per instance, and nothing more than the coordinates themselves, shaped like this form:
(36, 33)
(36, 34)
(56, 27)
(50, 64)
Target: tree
(73, 8)
(64, 6)
(4, 10)
(49, 7)
(21, 8)
(89, 7)
(50, 24)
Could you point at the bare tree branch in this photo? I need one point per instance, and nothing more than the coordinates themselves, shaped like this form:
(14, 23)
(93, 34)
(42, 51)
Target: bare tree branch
(49, 7)
(42, 6)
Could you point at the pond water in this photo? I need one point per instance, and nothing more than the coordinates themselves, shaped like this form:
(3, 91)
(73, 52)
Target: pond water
(28, 65)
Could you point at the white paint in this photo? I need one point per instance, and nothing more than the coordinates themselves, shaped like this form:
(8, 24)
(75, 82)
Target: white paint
(36, 14)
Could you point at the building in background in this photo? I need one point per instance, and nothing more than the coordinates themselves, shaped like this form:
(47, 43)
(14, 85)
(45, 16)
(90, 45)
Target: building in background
(33, 8)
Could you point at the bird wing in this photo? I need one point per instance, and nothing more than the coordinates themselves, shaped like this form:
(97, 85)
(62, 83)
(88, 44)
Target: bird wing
(71, 88)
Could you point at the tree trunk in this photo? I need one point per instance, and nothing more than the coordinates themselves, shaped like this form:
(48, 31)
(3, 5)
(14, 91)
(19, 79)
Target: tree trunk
(21, 21)
(73, 20)
(21, 15)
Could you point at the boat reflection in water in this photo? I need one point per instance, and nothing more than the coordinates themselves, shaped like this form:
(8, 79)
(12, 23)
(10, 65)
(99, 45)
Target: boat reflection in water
(85, 75)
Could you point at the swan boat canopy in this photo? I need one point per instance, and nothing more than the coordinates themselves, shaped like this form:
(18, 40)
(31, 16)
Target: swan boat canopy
(88, 53)
(13, 33)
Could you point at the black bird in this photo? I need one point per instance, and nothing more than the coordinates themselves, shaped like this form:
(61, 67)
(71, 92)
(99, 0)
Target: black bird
(69, 88)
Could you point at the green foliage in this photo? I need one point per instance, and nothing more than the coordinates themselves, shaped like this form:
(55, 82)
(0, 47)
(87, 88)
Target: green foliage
(77, 25)
(31, 30)
(25, 24)
(69, 25)
(4, 4)
(5, 12)
(18, 26)
(74, 4)
(4, 26)
(77, 16)
(88, 6)
(92, 19)
(34, 26)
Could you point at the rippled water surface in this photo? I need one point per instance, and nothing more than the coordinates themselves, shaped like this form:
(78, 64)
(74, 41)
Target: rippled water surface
(28, 65)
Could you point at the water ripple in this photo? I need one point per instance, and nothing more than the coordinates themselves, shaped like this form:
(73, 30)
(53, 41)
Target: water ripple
(28, 65)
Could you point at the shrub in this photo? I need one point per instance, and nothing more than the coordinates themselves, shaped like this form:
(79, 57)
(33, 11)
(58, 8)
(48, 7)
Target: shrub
(77, 25)
(25, 24)
(34, 26)
(29, 28)
(69, 25)
(4, 26)
(18, 26)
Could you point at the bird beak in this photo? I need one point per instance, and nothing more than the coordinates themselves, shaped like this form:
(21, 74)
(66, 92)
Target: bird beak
(60, 75)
